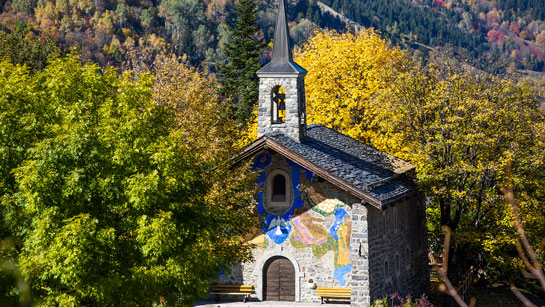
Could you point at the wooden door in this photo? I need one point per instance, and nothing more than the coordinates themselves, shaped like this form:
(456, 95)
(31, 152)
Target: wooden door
(279, 280)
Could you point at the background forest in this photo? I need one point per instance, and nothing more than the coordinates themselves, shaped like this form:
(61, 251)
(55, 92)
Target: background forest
(110, 31)
(511, 32)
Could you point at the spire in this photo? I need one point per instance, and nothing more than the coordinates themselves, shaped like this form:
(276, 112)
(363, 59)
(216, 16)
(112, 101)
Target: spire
(281, 48)
(281, 62)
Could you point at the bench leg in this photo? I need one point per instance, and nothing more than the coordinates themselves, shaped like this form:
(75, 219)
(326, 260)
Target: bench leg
(244, 298)
(322, 300)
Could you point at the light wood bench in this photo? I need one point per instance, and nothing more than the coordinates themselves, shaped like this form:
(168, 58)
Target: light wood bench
(244, 290)
(339, 293)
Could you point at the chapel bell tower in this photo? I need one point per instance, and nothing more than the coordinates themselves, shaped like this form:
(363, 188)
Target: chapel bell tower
(282, 87)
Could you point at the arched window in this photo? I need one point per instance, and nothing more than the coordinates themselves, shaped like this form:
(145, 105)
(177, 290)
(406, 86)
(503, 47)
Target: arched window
(279, 188)
(279, 192)
(278, 105)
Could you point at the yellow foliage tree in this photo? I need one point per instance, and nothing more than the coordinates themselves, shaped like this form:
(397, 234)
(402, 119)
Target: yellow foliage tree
(463, 131)
(345, 71)
(460, 128)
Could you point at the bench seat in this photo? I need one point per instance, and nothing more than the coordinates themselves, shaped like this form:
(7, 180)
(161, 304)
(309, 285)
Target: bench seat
(337, 293)
(244, 290)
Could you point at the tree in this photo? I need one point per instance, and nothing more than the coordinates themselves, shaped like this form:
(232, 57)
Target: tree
(123, 200)
(23, 119)
(238, 76)
(182, 17)
(462, 130)
(37, 50)
(345, 72)
(458, 126)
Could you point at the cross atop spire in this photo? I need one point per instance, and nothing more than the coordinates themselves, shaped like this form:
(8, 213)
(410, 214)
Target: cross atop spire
(281, 61)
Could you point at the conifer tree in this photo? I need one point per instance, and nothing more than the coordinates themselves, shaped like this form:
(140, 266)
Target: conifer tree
(238, 76)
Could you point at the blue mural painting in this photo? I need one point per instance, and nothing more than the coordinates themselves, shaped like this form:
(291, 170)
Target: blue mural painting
(222, 271)
(277, 227)
(340, 272)
(339, 214)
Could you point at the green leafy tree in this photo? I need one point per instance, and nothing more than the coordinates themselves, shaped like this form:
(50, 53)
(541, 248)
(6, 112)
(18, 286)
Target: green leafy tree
(238, 76)
(25, 47)
(22, 118)
(122, 200)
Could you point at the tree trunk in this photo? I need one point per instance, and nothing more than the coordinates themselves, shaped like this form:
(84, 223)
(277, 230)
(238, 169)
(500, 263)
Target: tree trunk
(453, 275)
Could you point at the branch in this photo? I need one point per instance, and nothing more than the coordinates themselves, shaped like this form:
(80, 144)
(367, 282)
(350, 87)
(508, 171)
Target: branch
(534, 267)
(522, 298)
(523, 245)
(444, 269)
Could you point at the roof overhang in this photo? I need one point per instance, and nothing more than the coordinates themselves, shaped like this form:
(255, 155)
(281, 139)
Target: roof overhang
(268, 143)
(274, 69)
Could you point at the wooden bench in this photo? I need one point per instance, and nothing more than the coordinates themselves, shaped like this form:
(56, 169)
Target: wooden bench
(244, 290)
(339, 293)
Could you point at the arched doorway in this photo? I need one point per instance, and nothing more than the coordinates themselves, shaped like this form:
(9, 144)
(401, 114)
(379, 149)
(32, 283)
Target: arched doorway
(278, 280)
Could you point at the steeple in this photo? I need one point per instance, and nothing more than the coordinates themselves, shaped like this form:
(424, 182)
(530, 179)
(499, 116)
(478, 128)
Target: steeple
(282, 88)
(281, 48)
(281, 61)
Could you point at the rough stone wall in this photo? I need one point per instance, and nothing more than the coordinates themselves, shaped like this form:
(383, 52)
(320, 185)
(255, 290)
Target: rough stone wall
(295, 106)
(315, 235)
(398, 260)
(359, 251)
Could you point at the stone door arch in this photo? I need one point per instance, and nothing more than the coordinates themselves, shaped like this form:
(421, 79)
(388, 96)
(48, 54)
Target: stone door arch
(279, 280)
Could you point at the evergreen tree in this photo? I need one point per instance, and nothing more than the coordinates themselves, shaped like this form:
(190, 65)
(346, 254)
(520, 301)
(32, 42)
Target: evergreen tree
(238, 76)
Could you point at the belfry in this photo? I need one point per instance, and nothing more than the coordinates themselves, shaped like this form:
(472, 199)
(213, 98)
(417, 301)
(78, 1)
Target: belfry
(282, 87)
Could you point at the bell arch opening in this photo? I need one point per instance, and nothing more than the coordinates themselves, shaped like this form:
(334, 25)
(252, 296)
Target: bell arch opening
(278, 108)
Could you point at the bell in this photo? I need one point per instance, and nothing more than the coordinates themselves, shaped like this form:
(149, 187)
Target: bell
(281, 101)
(281, 105)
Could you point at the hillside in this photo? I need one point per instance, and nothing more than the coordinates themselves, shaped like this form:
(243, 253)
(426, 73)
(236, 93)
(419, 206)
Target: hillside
(506, 31)
(491, 35)
(111, 32)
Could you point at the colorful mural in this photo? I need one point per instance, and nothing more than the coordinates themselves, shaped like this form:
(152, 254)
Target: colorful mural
(257, 238)
(277, 227)
(307, 229)
(338, 234)
(313, 221)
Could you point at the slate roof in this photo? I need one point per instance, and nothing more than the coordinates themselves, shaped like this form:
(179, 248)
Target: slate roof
(282, 68)
(379, 177)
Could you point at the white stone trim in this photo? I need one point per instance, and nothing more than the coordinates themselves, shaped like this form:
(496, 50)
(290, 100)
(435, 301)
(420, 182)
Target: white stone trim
(260, 267)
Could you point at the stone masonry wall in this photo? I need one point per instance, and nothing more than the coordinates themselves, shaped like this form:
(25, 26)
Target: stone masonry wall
(294, 87)
(359, 251)
(314, 236)
(398, 260)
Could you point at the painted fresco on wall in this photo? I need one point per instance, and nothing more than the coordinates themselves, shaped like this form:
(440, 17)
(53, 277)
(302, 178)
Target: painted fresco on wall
(257, 238)
(313, 221)
(277, 227)
(339, 231)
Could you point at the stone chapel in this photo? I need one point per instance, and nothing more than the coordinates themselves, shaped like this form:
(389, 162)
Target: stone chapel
(337, 213)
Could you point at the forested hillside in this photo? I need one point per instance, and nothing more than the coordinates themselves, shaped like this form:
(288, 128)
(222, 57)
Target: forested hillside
(112, 31)
(510, 33)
